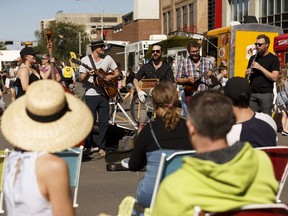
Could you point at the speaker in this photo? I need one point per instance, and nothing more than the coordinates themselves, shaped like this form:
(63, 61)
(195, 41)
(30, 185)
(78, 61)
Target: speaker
(250, 19)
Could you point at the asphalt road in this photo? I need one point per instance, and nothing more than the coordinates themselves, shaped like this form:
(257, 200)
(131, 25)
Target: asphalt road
(100, 190)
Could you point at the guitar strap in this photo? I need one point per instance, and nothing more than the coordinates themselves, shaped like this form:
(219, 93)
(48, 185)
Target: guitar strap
(88, 84)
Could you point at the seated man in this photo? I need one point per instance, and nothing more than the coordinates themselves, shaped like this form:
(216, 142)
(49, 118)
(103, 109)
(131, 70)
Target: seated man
(219, 177)
(257, 128)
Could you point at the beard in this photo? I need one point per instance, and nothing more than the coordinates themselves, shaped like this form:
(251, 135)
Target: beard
(156, 57)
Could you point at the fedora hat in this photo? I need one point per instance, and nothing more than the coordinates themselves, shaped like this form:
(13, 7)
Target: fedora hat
(97, 43)
(46, 119)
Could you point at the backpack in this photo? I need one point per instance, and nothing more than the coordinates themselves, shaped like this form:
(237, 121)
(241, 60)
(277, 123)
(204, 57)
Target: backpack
(68, 72)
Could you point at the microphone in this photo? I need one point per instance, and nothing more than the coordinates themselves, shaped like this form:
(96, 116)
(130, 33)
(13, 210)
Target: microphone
(254, 59)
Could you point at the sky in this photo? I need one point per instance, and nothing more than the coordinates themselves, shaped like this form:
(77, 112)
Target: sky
(19, 19)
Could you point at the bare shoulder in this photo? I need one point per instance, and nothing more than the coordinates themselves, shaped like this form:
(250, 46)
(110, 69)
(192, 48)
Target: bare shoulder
(51, 164)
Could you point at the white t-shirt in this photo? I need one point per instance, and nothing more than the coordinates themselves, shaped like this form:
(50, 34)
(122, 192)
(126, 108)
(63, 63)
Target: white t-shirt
(106, 63)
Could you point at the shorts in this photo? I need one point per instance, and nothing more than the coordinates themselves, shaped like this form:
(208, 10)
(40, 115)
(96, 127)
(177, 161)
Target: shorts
(12, 84)
(130, 86)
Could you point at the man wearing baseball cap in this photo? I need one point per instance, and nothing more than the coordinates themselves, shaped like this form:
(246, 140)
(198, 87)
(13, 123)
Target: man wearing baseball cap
(257, 128)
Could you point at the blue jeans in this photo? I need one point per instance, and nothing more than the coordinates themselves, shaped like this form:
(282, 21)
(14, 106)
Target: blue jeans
(99, 105)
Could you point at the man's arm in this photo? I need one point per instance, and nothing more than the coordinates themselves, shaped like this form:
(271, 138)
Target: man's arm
(273, 75)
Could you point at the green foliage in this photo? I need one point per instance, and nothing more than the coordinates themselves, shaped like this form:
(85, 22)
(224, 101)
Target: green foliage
(2, 45)
(65, 37)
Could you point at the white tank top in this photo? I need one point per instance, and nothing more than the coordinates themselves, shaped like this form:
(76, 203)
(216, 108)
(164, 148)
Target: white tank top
(24, 197)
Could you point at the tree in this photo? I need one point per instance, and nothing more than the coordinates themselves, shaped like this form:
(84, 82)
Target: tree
(65, 37)
(2, 45)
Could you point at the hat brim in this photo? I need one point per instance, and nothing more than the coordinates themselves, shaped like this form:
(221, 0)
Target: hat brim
(98, 45)
(27, 134)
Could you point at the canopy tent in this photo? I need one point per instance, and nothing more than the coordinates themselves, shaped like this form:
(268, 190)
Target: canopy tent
(281, 43)
(172, 42)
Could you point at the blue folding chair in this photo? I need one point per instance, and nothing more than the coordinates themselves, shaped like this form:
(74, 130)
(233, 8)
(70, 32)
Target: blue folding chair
(73, 157)
(168, 164)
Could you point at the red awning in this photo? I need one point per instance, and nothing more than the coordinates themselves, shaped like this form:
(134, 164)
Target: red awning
(281, 43)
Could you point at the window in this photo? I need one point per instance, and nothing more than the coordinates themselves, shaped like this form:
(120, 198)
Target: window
(239, 10)
(191, 17)
(178, 12)
(184, 17)
(165, 22)
(169, 22)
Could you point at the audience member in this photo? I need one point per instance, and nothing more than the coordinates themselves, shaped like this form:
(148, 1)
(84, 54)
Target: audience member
(36, 181)
(12, 77)
(129, 84)
(222, 76)
(282, 99)
(26, 74)
(68, 76)
(46, 68)
(257, 128)
(262, 70)
(219, 177)
(168, 133)
(156, 68)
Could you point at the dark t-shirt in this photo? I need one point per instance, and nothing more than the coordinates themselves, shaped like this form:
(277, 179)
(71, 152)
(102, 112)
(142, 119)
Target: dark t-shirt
(258, 81)
(147, 71)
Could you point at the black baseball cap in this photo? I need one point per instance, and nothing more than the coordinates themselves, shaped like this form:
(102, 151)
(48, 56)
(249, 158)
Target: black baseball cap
(27, 51)
(236, 87)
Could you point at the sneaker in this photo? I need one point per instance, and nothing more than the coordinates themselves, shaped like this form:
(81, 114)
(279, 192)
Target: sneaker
(87, 151)
(284, 133)
(94, 149)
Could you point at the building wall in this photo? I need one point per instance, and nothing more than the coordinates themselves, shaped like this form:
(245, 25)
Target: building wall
(200, 14)
(138, 30)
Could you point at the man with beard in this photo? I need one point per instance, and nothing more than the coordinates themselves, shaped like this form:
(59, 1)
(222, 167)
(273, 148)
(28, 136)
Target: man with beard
(262, 70)
(194, 72)
(155, 68)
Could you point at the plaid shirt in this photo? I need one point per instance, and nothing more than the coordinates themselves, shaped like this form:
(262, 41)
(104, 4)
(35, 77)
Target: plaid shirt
(187, 68)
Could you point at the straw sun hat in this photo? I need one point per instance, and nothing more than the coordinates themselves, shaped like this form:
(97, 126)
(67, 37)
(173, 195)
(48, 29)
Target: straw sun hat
(41, 120)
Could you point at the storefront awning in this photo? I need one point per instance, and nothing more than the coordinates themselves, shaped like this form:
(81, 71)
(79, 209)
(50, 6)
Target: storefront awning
(281, 43)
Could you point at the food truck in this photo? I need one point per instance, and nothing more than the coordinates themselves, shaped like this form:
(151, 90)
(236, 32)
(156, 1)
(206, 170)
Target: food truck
(234, 45)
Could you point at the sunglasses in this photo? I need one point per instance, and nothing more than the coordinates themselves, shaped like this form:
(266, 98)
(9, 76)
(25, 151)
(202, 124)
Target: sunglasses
(259, 44)
(44, 59)
(156, 51)
(194, 52)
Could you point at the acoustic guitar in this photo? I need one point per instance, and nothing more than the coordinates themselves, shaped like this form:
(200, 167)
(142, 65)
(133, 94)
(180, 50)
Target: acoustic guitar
(189, 89)
(110, 89)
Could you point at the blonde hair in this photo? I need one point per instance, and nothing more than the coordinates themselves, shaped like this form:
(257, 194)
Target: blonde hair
(281, 79)
(165, 96)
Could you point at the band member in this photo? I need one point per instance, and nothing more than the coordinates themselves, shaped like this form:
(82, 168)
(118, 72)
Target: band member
(263, 71)
(94, 96)
(191, 70)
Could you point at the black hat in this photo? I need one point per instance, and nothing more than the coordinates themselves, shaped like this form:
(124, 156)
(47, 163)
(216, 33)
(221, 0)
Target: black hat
(27, 51)
(236, 87)
(98, 43)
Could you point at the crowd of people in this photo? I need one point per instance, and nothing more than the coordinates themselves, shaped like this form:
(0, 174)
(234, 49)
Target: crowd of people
(226, 119)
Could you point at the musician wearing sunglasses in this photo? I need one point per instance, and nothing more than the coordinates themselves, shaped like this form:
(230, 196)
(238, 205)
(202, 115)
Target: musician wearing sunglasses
(262, 70)
(155, 68)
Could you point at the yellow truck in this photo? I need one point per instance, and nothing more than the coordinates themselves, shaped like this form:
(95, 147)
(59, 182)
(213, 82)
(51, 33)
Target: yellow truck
(233, 45)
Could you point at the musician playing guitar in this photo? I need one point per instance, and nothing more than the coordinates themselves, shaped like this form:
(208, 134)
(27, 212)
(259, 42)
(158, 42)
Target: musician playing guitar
(194, 72)
(94, 96)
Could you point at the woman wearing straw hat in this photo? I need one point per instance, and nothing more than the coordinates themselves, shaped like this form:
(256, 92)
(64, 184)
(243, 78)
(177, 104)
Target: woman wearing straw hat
(36, 181)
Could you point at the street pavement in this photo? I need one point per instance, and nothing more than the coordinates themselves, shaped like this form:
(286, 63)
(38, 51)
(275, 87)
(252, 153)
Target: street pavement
(101, 191)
